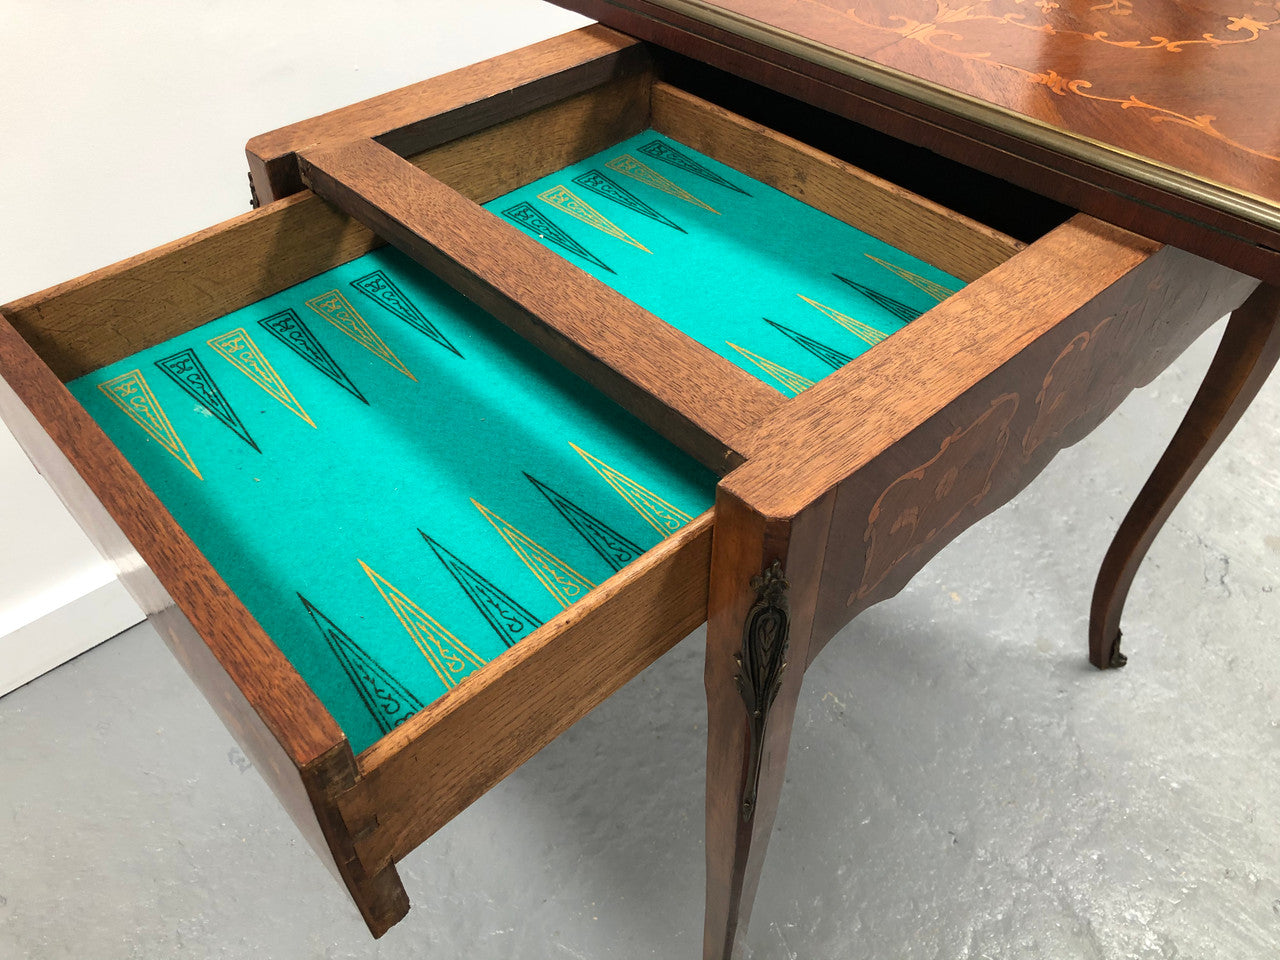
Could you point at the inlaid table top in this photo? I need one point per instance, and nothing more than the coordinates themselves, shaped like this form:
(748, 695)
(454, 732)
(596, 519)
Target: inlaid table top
(1166, 102)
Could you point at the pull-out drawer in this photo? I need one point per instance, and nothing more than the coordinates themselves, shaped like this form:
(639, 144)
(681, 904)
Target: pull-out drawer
(401, 548)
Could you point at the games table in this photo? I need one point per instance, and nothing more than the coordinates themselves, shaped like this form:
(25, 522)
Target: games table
(247, 406)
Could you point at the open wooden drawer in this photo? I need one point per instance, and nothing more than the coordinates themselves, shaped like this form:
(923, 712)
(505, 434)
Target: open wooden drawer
(557, 106)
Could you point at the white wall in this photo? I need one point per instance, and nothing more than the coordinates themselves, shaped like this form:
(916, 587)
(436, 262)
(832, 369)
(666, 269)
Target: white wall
(122, 126)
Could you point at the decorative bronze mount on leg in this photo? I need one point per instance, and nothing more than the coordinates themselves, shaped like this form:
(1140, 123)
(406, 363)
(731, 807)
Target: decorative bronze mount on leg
(765, 637)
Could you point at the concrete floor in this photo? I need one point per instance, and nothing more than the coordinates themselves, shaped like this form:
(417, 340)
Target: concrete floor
(962, 784)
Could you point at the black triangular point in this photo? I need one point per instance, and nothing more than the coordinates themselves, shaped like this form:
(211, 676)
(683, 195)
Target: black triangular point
(287, 327)
(614, 549)
(532, 219)
(509, 620)
(828, 355)
(388, 701)
(186, 370)
(660, 150)
(899, 309)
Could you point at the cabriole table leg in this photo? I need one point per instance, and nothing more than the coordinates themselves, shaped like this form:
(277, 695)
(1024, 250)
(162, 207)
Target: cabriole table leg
(1249, 350)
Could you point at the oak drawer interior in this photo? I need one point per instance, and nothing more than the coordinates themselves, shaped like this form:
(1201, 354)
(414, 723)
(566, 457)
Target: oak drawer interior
(398, 487)
(254, 336)
(776, 256)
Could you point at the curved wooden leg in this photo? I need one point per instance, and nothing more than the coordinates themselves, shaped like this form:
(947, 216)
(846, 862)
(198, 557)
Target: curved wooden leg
(764, 580)
(1249, 350)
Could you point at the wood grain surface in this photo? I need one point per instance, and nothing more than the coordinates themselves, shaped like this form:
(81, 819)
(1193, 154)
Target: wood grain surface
(1020, 364)
(498, 159)
(435, 111)
(954, 243)
(82, 325)
(695, 398)
(869, 404)
(1188, 85)
(430, 768)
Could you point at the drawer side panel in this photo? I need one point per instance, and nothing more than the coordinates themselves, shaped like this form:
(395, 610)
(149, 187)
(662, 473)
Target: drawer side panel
(291, 740)
(84, 324)
(427, 771)
(898, 511)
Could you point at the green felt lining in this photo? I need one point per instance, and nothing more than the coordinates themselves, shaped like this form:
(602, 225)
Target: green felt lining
(783, 290)
(355, 542)
(399, 488)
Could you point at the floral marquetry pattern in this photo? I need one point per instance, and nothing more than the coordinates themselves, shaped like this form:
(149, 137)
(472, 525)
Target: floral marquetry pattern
(1189, 87)
(924, 503)
(946, 16)
(979, 453)
(963, 31)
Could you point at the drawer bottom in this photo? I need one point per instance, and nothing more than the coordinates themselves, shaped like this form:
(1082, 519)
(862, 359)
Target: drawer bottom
(779, 288)
(396, 486)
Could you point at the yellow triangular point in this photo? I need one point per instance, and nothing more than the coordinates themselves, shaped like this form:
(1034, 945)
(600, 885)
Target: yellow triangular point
(562, 198)
(629, 166)
(335, 308)
(238, 348)
(788, 378)
(863, 331)
(564, 583)
(662, 516)
(935, 290)
(449, 657)
(130, 393)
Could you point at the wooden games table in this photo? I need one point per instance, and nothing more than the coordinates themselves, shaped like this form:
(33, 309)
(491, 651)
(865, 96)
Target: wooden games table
(828, 501)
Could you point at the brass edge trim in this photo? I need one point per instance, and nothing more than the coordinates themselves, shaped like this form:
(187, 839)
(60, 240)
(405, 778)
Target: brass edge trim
(1234, 201)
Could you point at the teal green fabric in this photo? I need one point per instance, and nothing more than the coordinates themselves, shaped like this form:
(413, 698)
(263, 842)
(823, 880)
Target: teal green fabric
(727, 259)
(355, 542)
(399, 489)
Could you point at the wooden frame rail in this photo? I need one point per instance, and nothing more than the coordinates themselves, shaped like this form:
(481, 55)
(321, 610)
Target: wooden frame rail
(950, 241)
(93, 321)
(427, 114)
(692, 396)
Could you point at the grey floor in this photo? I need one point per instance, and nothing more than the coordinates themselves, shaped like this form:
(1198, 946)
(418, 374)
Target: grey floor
(962, 784)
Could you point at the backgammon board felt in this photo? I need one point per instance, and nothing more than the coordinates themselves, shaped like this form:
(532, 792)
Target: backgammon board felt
(399, 488)
(773, 285)
(395, 508)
